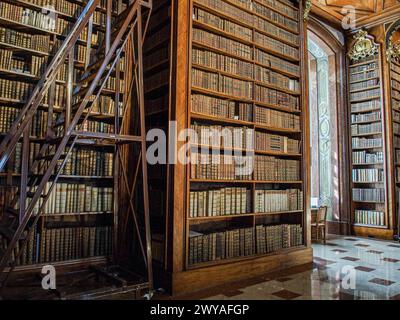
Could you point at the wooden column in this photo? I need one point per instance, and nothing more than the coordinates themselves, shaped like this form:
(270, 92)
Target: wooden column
(390, 185)
(388, 127)
(305, 119)
(180, 91)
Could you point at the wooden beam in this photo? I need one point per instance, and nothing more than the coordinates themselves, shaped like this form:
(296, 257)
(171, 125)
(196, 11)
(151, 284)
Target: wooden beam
(387, 15)
(321, 12)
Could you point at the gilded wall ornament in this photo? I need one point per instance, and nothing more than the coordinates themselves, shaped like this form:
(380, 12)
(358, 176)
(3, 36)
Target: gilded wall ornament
(307, 9)
(363, 46)
(393, 49)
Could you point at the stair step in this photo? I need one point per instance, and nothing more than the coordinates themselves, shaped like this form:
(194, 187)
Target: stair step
(97, 64)
(55, 140)
(7, 232)
(116, 27)
(94, 65)
(86, 77)
(100, 58)
(31, 194)
(120, 18)
(83, 90)
(49, 157)
(61, 122)
(89, 77)
(91, 70)
(13, 211)
(77, 104)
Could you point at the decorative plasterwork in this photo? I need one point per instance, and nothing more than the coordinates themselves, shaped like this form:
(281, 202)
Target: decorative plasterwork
(316, 50)
(323, 118)
(363, 46)
(393, 49)
(307, 9)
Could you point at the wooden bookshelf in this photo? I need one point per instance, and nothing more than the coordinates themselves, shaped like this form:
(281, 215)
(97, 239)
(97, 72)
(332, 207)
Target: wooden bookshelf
(77, 224)
(157, 64)
(206, 10)
(228, 73)
(393, 36)
(367, 141)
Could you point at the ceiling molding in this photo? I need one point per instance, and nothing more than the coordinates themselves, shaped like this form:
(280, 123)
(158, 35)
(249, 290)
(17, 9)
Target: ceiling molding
(320, 11)
(386, 16)
(368, 13)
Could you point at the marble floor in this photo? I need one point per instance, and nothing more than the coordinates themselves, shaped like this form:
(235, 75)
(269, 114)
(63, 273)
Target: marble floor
(345, 268)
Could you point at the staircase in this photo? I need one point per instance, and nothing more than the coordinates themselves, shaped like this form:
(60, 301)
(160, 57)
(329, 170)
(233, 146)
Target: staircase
(68, 127)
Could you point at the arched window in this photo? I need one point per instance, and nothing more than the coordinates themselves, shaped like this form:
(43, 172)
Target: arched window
(327, 122)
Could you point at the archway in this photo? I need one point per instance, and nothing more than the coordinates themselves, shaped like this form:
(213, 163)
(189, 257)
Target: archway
(328, 126)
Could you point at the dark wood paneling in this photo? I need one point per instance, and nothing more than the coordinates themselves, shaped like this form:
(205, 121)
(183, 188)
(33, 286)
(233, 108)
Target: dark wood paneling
(194, 280)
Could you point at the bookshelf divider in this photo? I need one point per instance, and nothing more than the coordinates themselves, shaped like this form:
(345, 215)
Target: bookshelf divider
(369, 188)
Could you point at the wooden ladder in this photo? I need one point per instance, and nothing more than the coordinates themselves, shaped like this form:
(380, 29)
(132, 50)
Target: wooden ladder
(67, 128)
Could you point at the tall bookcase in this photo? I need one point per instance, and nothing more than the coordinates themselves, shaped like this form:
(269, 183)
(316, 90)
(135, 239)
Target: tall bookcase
(395, 95)
(236, 67)
(368, 132)
(393, 60)
(77, 225)
(374, 217)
